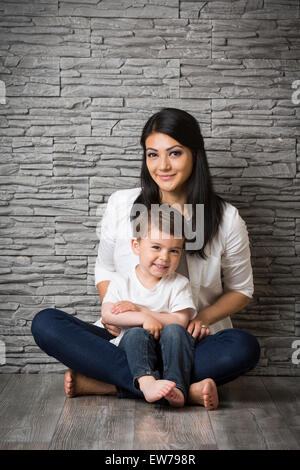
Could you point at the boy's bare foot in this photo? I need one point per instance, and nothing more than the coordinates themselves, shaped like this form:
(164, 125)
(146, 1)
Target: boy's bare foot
(204, 393)
(153, 389)
(78, 384)
(175, 398)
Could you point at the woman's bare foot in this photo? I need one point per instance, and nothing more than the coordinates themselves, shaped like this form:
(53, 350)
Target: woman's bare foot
(78, 384)
(204, 393)
(153, 389)
(175, 398)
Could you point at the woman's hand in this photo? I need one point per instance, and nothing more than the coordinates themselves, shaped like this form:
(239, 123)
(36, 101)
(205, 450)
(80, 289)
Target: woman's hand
(198, 328)
(112, 329)
(124, 306)
(153, 326)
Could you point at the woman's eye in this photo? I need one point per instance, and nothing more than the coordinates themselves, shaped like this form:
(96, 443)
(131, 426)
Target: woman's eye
(176, 153)
(155, 247)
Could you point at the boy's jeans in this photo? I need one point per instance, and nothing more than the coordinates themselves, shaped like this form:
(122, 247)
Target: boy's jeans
(169, 358)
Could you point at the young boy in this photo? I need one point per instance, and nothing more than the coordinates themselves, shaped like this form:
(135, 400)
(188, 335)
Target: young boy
(153, 306)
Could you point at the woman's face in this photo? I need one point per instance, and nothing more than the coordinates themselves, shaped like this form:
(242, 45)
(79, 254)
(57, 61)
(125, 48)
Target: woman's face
(169, 163)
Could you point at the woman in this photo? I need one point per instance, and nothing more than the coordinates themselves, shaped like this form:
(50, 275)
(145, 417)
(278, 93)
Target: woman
(174, 171)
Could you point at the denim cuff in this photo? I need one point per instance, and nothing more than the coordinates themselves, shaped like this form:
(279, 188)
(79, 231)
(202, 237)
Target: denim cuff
(154, 374)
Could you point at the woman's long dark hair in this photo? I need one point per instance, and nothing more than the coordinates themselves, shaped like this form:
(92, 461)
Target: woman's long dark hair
(184, 128)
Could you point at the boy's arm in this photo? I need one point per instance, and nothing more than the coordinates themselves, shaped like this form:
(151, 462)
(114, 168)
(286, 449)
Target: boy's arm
(132, 318)
(181, 317)
(181, 305)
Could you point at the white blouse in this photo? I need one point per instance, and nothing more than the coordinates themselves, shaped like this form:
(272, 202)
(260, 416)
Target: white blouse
(227, 254)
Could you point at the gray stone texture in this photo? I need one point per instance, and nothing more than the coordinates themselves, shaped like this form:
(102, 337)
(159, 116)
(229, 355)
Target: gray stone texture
(81, 79)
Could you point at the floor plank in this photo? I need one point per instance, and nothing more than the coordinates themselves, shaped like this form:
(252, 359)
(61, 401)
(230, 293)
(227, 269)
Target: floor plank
(296, 432)
(4, 378)
(249, 419)
(254, 413)
(285, 393)
(29, 410)
(95, 422)
(163, 427)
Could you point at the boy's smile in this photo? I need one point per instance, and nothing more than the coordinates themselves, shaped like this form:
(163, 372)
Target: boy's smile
(158, 255)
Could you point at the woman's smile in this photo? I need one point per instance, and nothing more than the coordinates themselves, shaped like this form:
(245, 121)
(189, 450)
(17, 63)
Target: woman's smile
(166, 177)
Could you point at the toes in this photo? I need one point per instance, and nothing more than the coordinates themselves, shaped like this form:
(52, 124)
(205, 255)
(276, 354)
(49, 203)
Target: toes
(176, 399)
(210, 396)
(174, 395)
(69, 380)
(69, 384)
(68, 377)
(210, 402)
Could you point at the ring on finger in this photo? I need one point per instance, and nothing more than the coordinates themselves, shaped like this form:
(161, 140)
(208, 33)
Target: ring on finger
(203, 326)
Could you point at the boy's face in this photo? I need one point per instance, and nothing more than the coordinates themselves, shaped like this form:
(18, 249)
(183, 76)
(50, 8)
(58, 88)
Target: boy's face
(159, 253)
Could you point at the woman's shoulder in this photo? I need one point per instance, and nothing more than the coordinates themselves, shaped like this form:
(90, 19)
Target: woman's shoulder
(231, 220)
(230, 211)
(125, 195)
(227, 224)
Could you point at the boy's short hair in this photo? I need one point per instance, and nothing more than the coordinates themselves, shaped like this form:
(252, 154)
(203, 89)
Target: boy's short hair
(165, 218)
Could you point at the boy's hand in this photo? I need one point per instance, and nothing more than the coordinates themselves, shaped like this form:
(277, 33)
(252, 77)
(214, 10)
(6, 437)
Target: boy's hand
(124, 306)
(153, 326)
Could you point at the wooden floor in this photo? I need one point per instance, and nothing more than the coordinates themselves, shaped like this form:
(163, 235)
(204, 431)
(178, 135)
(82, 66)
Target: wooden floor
(254, 413)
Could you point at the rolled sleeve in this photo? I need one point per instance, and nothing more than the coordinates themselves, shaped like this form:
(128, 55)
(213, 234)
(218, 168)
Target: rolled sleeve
(105, 266)
(112, 293)
(236, 259)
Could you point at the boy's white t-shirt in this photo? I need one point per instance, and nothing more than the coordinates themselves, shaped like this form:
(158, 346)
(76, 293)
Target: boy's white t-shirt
(171, 293)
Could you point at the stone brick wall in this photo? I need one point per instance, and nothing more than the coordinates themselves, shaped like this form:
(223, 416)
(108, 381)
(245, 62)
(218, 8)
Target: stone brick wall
(81, 78)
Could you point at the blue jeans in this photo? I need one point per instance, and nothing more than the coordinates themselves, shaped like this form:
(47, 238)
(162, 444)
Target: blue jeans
(170, 357)
(85, 348)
